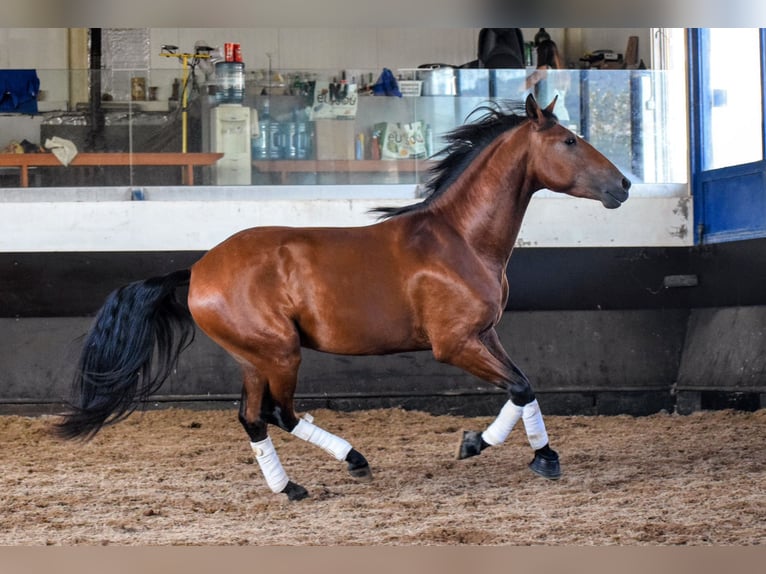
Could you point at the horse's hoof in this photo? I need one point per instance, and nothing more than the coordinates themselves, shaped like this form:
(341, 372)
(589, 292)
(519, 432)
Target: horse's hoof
(358, 467)
(362, 474)
(546, 467)
(295, 491)
(470, 445)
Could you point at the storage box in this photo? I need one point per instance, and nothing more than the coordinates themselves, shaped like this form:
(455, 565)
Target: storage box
(334, 139)
(410, 88)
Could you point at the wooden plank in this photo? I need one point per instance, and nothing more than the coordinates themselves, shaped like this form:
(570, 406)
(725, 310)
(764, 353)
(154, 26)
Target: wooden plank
(112, 159)
(185, 160)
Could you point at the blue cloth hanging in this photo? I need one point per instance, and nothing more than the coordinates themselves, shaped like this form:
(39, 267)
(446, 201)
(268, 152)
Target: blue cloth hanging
(18, 91)
(386, 85)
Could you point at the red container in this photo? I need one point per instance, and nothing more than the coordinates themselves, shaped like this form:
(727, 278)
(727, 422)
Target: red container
(228, 52)
(237, 53)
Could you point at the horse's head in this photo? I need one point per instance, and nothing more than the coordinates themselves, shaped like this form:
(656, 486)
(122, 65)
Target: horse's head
(561, 161)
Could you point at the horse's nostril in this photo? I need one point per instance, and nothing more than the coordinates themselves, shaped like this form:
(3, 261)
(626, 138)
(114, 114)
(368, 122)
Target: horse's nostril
(625, 183)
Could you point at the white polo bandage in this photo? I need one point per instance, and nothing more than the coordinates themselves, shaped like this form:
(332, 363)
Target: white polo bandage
(268, 460)
(502, 426)
(534, 425)
(336, 446)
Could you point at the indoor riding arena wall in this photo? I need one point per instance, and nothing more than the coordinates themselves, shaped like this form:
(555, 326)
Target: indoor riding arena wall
(597, 330)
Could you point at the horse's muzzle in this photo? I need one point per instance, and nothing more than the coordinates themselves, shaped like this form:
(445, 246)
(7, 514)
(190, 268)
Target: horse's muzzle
(613, 198)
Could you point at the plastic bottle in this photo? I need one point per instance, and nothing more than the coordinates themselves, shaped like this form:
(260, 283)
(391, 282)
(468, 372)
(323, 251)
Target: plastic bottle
(429, 141)
(230, 77)
(262, 143)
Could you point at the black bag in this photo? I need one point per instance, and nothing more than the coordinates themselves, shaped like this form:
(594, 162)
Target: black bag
(501, 48)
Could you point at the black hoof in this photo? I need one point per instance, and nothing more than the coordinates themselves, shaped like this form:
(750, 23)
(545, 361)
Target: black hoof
(295, 491)
(358, 467)
(546, 465)
(363, 474)
(470, 445)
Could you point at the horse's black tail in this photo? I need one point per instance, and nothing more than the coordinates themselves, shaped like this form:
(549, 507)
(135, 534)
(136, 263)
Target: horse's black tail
(117, 369)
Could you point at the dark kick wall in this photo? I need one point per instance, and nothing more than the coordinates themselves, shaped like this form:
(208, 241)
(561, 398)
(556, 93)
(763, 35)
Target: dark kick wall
(612, 330)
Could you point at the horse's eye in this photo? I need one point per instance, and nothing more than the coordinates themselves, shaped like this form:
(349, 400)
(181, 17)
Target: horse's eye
(570, 141)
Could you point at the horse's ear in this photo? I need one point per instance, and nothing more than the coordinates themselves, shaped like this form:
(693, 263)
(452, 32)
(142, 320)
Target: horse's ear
(552, 105)
(533, 110)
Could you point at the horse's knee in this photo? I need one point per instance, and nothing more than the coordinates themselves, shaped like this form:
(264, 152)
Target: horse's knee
(521, 393)
(256, 429)
(275, 413)
(280, 417)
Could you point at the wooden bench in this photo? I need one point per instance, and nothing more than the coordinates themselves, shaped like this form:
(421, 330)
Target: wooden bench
(188, 161)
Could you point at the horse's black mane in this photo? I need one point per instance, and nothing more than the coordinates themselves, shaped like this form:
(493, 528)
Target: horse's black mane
(464, 144)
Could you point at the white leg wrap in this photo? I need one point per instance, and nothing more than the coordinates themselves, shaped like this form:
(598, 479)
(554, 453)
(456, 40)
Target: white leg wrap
(502, 426)
(534, 425)
(336, 446)
(268, 460)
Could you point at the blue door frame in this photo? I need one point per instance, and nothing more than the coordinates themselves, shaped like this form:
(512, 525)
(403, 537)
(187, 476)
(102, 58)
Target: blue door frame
(729, 202)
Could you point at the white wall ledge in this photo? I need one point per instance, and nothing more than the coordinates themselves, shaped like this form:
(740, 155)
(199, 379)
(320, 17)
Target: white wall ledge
(196, 219)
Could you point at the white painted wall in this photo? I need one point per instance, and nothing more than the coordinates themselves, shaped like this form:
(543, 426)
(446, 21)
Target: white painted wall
(16, 128)
(47, 49)
(327, 48)
(374, 48)
(116, 224)
(43, 49)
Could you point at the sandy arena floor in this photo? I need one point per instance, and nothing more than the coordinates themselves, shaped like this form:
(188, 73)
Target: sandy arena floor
(188, 477)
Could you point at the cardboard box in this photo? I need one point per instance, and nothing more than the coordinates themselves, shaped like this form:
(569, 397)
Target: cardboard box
(334, 139)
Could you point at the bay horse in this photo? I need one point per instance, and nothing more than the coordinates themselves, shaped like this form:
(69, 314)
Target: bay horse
(431, 275)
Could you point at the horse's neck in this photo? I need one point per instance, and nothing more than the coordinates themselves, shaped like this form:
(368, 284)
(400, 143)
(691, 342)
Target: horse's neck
(488, 201)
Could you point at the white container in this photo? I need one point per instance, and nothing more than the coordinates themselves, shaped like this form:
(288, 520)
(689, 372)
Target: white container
(438, 80)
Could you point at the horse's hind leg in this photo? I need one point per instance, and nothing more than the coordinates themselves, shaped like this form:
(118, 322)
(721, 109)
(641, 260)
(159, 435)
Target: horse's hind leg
(278, 409)
(253, 391)
(339, 448)
(268, 399)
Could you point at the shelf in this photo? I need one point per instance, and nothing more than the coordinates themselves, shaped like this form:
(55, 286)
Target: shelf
(187, 161)
(286, 167)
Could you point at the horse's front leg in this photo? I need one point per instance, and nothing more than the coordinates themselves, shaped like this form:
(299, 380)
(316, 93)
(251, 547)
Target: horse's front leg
(485, 357)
